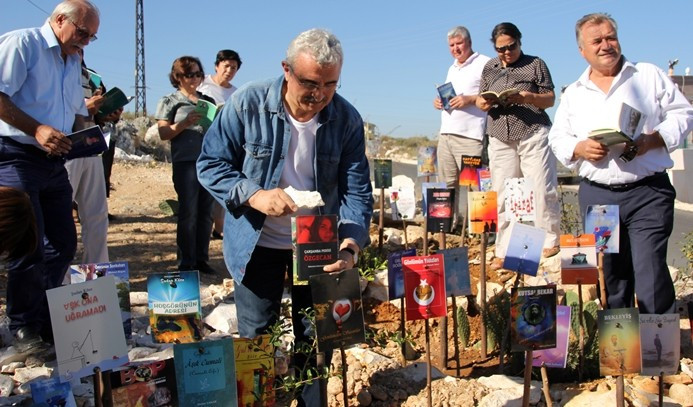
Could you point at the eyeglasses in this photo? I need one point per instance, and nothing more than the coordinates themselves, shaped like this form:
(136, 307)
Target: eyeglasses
(190, 75)
(509, 47)
(83, 32)
(313, 86)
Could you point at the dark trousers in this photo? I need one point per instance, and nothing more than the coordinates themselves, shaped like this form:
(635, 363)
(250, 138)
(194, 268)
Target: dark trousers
(194, 216)
(45, 181)
(107, 158)
(646, 214)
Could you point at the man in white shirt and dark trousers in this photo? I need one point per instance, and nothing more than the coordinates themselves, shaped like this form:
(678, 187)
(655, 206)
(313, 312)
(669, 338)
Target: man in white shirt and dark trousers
(630, 175)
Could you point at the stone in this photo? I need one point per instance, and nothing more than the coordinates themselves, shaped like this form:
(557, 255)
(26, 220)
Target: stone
(140, 353)
(305, 199)
(647, 384)
(508, 390)
(10, 368)
(681, 378)
(682, 393)
(334, 386)
(378, 393)
(364, 397)
(223, 318)
(590, 399)
(139, 298)
(417, 372)
(6, 386)
(25, 374)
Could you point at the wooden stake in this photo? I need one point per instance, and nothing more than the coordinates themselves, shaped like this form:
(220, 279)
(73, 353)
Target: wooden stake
(545, 385)
(345, 392)
(528, 378)
(98, 387)
(582, 332)
(690, 317)
(619, 391)
(455, 336)
(602, 281)
(403, 331)
(443, 356)
(381, 219)
(482, 295)
(428, 365)
(661, 389)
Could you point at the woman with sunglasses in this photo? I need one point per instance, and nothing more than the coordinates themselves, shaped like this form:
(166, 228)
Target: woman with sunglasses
(178, 120)
(518, 128)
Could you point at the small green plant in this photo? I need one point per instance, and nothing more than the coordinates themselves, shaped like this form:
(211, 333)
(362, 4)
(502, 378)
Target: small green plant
(687, 250)
(371, 260)
(463, 330)
(571, 221)
(496, 317)
(591, 337)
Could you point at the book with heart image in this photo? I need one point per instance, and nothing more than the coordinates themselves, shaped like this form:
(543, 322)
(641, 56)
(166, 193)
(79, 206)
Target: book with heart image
(603, 222)
(338, 309)
(619, 341)
(578, 259)
(174, 306)
(439, 209)
(424, 287)
(205, 373)
(533, 318)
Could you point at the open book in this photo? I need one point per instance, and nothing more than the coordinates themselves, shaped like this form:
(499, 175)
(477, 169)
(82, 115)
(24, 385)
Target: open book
(113, 100)
(446, 92)
(87, 142)
(500, 98)
(630, 124)
(208, 110)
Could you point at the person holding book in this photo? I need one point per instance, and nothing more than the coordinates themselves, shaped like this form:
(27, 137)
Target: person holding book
(462, 125)
(518, 131)
(40, 101)
(219, 88)
(631, 175)
(178, 121)
(294, 130)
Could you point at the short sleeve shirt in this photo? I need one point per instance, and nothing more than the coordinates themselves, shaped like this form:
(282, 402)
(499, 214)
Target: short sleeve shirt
(515, 122)
(173, 108)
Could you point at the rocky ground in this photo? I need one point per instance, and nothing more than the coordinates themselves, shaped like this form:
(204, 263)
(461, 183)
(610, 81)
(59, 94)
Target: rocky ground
(143, 233)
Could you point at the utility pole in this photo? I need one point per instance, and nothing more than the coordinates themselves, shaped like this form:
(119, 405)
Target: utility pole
(140, 82)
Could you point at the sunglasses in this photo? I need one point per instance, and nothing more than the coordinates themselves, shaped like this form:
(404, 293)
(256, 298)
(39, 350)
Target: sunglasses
(509, 47)
(83, 32)
(190, 75)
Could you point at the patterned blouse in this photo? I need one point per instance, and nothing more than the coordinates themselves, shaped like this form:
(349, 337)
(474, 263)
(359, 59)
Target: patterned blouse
(515, 122)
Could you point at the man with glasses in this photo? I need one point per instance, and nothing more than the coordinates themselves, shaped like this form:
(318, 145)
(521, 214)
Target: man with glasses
(41, 101)
(631, 175)
(296, 131)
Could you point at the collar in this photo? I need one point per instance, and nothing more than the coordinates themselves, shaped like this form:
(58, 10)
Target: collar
(275, 104)
(48, 35)
(467, 61)
(584, 79)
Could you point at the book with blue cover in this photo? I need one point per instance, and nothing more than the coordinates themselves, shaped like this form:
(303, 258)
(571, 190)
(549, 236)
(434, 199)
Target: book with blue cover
(524, 249)
(174, 307)
(558, 356)
(533, 318)
(427, 161)
(86, 143)
(603, 222)
(446, 92)
(456, 271)
(52, 393)
(206, 373)
(395, 275)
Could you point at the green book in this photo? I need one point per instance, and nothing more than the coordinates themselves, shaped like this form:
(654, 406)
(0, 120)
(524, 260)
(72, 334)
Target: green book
(113, 100)
(208, 110)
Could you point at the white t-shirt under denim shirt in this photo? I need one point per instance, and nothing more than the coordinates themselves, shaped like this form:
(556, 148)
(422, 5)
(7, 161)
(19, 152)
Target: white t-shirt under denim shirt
(298, 173)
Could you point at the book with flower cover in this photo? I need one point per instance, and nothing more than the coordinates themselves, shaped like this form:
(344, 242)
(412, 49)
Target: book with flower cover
(558, 356)
(427, 161)
(533, 318)
(578, 259)
(468, 171)
(150, 384)
(338, 309)
(403, 203)
(424, 287)
(382, 171)
(483, 212)
(205, 373)
(456, 271)
(603, 222)
(395, 275)
(519, 200)
(174, 307)
(524, 249)
(619, 341)
(660, 342)
(439, 212)
(315, 245)
(254, 371)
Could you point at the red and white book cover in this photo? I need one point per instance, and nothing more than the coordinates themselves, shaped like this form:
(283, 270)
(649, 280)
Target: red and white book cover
(424, 287)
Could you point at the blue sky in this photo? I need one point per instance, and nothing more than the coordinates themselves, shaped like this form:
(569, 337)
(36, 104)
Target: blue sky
(395, 52)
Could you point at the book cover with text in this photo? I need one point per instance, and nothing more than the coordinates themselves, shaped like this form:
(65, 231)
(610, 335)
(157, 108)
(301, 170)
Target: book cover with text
(403, 203)
(484, 175)
(424, 287)
(483, 212)
(533, 318)
(427, 161)
(619, 341)
(519, 200)
(174, 306)
(316, 244)
(52, 392)
(456, 262)
(145, 385)
(603, 222)
(254, 371)
(205, 372)
(578, 259)
(558, 356)
(468, 171)
(660, 342)
(439, 211)
(382, 171)
(395, 275)
(446, 92)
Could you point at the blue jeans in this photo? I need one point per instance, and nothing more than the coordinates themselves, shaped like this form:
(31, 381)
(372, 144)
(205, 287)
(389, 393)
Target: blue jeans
(194, 216)
(45, 180)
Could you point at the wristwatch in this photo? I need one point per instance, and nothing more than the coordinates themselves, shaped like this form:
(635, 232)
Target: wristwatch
(354, 256)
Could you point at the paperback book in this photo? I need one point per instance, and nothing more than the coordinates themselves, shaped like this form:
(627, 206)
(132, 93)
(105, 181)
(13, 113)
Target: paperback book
(424, 286)
(338, 309)
(484, 175)
(145, 385)
(82, 316)
(425, 186)
(205, 372)
(174, 307)
(52, 393)
(533, 318)
(456, 262)
(483, 212)
(630, 124)
(619, 341)
(254, 371)
(578, 259)
(558, 356)
(113, 100)
(446, 92)
(440, 209)
(468, 172)
(316, 244)
(660, 340)
(499, 98)
(208, 111)
(402, 203)
(80, 273)
(382, 169)
(395, 275)
(519, 200)
(427, 161)
(524, 249)
(86, 143)
(603, 222)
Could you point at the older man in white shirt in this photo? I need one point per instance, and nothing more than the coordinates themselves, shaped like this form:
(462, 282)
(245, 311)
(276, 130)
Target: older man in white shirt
(630, 175)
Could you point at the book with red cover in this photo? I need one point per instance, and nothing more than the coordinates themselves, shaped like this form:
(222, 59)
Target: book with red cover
(424, 287)
(578, 259)
(147, 385)
(316, 244)
(468, 171)
(439, 210)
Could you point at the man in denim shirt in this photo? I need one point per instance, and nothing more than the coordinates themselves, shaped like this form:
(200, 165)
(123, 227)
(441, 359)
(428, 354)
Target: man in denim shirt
(293, 130)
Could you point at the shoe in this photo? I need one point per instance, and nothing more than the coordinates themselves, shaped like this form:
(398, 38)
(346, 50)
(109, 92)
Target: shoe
(28, 339)
(205, 268)
(496, 264)
(551, 251)
(217, 236)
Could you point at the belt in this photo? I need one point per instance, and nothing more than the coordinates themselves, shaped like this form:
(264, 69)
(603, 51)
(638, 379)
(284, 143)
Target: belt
(628, 186)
